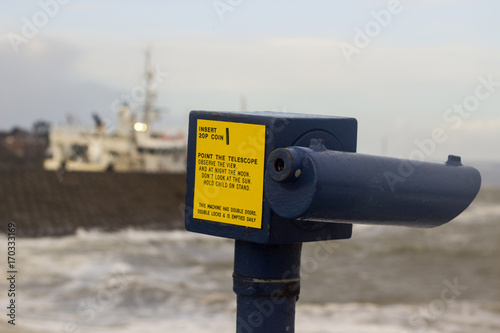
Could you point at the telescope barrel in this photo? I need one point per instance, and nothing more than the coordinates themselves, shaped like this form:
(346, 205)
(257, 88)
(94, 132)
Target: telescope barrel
(316, 184)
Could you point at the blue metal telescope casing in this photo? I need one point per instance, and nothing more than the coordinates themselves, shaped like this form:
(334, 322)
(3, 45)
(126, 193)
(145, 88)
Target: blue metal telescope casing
(326, 186)
(282, 130)
(313, 188)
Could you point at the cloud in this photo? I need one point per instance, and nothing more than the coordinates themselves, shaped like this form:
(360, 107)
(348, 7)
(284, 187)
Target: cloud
(482, 127)
(316, 64)
(398, 92)
(41, 83)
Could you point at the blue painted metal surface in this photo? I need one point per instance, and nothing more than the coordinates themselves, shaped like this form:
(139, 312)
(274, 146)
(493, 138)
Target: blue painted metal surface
(282, 130)
(316, 184)
(266, 281)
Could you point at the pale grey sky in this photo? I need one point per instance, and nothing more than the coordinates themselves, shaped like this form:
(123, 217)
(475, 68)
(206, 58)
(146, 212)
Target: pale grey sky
(402, 68)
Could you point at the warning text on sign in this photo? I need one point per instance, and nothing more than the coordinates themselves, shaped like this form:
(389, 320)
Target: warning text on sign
(229, 172)
(216, 171)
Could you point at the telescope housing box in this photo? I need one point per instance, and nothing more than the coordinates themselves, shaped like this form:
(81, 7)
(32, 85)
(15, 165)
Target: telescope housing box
(226, 160)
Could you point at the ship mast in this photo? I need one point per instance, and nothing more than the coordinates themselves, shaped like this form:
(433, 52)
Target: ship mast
(149, 94)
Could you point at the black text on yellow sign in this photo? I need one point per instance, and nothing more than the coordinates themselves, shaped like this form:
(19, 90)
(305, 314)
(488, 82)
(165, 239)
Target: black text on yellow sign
(229, 176)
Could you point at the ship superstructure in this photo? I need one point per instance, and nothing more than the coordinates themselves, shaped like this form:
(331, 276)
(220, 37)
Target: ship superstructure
(131, 147)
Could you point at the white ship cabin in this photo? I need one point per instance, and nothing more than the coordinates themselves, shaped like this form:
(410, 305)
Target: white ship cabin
(132, 148)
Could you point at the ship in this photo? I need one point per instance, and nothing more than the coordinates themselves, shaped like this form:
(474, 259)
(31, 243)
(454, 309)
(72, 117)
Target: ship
(132, 147)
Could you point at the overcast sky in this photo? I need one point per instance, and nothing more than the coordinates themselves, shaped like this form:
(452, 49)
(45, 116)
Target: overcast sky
(404, 69)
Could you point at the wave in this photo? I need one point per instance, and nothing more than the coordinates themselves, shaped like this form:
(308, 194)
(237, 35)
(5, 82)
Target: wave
(177, 281)
(457, 317)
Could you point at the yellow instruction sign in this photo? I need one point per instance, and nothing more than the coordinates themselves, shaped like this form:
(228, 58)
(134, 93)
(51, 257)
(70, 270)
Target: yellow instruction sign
(229, 176)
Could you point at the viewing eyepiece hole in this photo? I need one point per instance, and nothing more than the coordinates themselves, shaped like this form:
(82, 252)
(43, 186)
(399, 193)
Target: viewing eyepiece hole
(279, 165)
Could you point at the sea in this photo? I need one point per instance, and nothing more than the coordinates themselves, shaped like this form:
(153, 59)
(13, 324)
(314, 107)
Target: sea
(383, 279)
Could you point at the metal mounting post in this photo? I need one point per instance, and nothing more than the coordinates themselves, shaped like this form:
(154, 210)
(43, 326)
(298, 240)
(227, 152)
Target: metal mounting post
(266, 281)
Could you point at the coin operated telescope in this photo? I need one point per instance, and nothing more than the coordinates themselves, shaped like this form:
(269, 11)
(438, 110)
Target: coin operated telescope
(273, 180)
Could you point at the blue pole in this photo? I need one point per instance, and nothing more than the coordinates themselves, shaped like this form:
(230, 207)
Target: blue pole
(266, 281)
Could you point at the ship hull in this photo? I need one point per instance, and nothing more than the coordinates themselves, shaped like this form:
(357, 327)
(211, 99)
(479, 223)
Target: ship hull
(49, 203)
